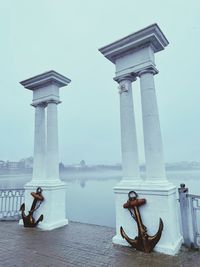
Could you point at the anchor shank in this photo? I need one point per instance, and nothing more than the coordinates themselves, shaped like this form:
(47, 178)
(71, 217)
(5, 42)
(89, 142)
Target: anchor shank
(141, 228)
(33, 205)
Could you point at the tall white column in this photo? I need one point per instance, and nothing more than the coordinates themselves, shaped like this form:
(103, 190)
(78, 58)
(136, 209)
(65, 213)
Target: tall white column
(129, 150)
(52, 158)
(134, 54)
(155, 168)
(39, 142)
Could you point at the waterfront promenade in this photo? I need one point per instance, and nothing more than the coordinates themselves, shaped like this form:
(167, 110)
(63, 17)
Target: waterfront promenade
(77, 245)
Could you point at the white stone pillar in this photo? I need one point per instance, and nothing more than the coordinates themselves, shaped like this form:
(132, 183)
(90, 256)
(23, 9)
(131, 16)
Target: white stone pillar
(45, 89)
(134, 54)
(52, 157)
(155, 168)
(129, 150)
(39, 143)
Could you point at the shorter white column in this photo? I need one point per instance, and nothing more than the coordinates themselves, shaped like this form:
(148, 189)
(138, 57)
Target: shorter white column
(155, 167)
(45, 88)
(39, 143)
(129, 149)
(52, 158)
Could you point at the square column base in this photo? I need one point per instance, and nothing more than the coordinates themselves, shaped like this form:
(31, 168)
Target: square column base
(53, 207)
(51, 226)
(161, 203)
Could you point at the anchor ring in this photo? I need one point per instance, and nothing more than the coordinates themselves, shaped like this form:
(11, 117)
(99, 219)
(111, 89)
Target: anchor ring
(39, 190)
(132, 195)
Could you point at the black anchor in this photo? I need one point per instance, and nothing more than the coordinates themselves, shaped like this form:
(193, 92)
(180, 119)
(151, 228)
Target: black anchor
(29, 220)
(143, 241)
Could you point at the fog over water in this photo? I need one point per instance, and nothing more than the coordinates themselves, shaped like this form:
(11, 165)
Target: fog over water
(90, 196)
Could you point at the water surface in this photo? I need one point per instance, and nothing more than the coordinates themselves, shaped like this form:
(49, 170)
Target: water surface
(90, 197)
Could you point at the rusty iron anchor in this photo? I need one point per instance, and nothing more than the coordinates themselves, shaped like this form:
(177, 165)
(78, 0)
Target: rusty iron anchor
(29, 220)
(143, 241)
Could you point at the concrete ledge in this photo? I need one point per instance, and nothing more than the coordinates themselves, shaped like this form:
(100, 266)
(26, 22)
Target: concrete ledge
(145, 187)
(21, 222)
(45, 184)
(51, 226)
(118, 240)
(167, 249)
(171, 249)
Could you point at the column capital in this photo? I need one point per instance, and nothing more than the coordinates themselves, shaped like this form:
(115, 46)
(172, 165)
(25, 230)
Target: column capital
(41, 104)
(124, 82)
(148, 70)
(53, 101)
(125, 77)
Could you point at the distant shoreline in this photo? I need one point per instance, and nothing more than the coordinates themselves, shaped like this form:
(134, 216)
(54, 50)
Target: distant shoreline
(105, 168)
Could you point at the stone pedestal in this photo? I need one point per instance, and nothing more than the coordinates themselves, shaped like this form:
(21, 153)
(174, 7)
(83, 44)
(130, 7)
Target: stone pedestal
(45, 89)
(54, 205)
(161, 203)
(134, 56)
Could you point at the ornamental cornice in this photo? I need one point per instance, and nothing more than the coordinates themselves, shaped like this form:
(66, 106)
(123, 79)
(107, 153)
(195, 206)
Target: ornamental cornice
(45, 79)
(149, 36)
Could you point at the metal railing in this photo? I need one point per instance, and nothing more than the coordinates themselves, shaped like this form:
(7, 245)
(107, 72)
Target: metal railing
(190, 217)
(10, 202)
(195, 211)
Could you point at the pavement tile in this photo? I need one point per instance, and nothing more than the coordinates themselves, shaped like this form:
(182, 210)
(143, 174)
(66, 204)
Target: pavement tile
(77, 245)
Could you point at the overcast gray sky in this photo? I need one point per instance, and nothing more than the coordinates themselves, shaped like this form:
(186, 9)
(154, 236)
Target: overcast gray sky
(40, 35)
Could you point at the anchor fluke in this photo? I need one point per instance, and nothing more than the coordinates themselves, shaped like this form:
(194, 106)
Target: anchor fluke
(132, 242)
(154, 239)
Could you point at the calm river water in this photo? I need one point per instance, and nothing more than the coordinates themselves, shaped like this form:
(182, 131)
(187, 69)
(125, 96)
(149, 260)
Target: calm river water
(90, 197)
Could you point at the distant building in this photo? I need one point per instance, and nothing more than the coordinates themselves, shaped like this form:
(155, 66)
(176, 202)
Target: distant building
(2, 164)
(12, 165)
(26, 163)
(23, 164)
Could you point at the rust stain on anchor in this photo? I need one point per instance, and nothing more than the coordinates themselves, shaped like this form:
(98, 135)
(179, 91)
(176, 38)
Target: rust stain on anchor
(29, 220)
(143, 241)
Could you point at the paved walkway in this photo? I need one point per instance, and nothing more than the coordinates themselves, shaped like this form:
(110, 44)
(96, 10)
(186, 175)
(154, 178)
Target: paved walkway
(78, 245)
